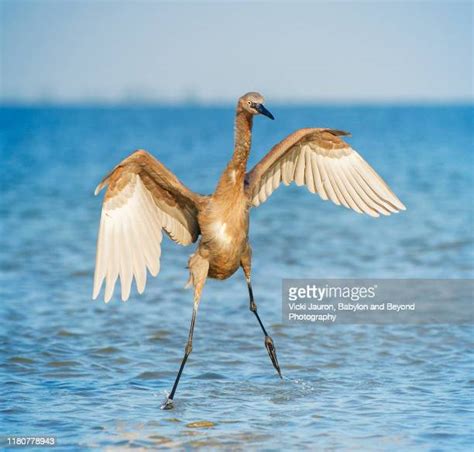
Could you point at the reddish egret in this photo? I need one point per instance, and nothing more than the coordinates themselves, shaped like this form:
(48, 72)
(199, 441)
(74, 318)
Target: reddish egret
(144, 198)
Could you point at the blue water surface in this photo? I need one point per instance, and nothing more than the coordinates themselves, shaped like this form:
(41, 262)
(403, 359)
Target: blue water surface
(94, 375)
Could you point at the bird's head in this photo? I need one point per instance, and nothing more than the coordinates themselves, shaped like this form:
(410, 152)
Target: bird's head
(253, 104)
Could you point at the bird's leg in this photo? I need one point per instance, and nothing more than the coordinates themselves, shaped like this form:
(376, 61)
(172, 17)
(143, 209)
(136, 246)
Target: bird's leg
(269, 345)
(187, 351)
(198, 273)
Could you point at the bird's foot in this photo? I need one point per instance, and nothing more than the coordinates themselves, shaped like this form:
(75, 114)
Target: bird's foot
(168, 405)
(270, 346)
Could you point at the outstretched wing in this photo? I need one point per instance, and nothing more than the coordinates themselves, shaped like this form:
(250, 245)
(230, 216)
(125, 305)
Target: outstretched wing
(143, 197)
(327, 165)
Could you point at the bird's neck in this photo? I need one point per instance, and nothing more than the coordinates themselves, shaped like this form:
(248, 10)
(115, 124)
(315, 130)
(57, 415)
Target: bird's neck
(243, 139)
(234, 173)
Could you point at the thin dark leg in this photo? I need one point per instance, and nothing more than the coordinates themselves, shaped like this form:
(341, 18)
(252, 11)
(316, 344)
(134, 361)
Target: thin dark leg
(187, 351)
(269, 345)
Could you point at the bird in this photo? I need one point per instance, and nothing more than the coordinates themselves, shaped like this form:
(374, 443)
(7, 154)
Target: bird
(144, 199)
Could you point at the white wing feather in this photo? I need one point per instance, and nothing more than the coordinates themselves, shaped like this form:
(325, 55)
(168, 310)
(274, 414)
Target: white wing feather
(343, 176)
(129, 240)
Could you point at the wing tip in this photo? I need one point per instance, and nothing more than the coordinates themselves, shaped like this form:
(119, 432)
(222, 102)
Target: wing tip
(107, 297)
(96, 290)
(99, 188)
(397, 204)
(141, 286)
(339, 133)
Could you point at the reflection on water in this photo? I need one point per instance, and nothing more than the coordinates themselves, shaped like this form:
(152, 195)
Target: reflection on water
(95, 375)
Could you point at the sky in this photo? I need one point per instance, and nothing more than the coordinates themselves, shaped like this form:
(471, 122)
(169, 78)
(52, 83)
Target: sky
(106, 51)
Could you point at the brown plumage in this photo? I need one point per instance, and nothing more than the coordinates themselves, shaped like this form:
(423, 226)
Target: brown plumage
(143, 198)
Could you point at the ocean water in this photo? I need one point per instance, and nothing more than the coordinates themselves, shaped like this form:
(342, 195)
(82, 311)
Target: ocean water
(95, 375)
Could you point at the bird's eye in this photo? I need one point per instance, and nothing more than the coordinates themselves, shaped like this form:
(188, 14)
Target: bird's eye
(250, 103)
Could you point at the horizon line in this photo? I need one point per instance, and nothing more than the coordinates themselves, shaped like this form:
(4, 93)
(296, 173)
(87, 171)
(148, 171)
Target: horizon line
(102, 103)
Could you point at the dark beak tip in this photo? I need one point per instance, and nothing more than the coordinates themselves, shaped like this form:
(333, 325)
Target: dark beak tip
(262, 110)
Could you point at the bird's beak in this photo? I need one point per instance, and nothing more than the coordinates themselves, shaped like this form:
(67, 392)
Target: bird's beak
(263, 111)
